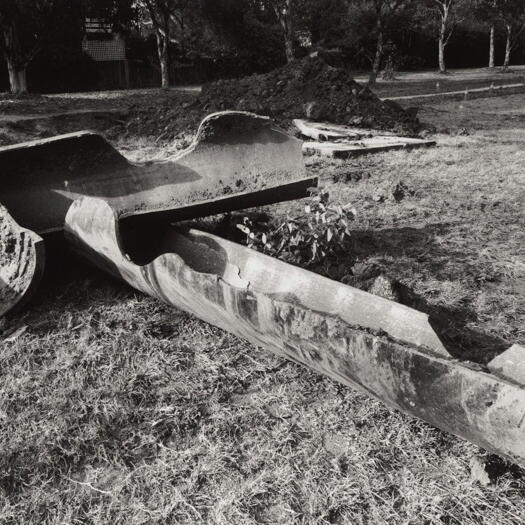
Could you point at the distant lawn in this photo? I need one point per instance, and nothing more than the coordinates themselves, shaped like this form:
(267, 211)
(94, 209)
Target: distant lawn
(400, 89)
(115, 408)
(427, 82)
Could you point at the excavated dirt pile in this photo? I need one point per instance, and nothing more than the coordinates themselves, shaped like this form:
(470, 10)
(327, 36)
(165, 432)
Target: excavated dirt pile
(313, 89)
(307, 88)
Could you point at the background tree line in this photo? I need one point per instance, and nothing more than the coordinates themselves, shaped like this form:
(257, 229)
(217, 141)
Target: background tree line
(40, 40)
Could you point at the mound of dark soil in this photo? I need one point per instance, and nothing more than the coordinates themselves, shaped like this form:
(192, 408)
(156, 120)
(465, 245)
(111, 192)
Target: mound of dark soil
(313, 89)
(307, 88)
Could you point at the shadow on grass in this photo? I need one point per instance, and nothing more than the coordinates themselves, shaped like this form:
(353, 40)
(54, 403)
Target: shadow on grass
(69, 283)
(417, 247)
(497, 468)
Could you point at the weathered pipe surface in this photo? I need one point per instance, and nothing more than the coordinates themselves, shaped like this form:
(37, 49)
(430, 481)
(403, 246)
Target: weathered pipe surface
(233, 152)
(22, 259)
(364, 341)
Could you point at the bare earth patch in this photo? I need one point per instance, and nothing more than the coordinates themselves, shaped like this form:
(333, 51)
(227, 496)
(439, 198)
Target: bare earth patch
(117, 409)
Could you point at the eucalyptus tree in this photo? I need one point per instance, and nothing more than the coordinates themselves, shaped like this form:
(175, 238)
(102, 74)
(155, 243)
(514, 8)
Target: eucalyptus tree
(440, 18)
(384, 11)
(24, 25)
(512, 16)
(285, 13)
(164, 16)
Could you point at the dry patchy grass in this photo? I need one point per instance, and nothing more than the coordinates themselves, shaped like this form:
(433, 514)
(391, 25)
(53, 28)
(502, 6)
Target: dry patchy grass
(115, 408)
(425, 82)
(118, 409)
(440, 85)
(457, 243)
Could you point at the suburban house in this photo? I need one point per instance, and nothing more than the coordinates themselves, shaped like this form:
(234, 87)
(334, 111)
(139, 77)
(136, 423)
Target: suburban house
(108, 50)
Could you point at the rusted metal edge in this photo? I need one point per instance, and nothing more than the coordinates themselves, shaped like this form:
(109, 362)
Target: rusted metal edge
(327, 326)
(22, 262)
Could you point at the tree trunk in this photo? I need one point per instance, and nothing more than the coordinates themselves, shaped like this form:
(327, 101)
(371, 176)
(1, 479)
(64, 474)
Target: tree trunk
(442, 65)
(289, 47)
(15, 64)
(378, 56)
(163, 43)
(491, 46)
(443, 39)
(17, 78)
(508, 47)
(288, 27)
(285, 17)
(160, 19)
(162, 49)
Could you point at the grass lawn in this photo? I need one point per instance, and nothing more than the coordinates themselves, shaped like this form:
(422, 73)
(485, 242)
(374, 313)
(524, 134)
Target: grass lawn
(115, 408)
(425, 82)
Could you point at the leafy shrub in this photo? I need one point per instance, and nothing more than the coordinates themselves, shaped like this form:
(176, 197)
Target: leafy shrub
(318, 236)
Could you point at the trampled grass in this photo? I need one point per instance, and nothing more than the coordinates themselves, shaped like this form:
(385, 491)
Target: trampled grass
(115, 408)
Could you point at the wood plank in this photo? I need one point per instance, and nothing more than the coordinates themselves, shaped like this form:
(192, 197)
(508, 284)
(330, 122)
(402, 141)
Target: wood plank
(378, 144)
(324, 131)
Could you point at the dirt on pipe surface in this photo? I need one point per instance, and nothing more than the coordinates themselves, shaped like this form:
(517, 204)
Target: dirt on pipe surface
(21, 262)
(232, 152)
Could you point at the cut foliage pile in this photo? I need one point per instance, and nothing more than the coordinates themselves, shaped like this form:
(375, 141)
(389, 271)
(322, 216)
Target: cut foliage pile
(305, 88)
